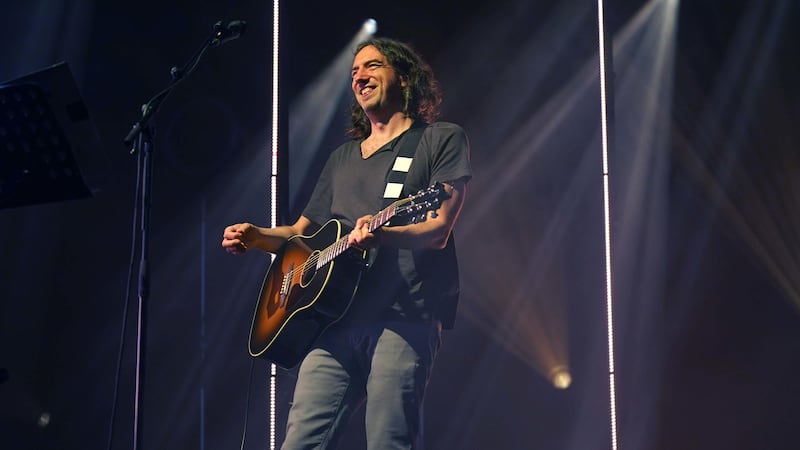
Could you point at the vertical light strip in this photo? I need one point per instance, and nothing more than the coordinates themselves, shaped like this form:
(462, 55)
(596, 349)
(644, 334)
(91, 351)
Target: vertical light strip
(612, 384)
(203, 241)
(274, 143)
(273, 373)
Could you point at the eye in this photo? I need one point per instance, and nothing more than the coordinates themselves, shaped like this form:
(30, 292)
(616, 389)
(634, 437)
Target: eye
(370, 65)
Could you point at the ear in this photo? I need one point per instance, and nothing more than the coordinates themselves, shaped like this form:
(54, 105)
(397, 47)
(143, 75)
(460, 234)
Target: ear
(403, 82)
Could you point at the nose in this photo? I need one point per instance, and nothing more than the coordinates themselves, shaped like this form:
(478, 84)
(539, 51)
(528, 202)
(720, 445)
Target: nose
(358, 84)
(360, 76)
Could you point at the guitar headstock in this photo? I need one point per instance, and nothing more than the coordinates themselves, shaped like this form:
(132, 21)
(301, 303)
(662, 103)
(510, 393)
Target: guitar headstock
(414, 208)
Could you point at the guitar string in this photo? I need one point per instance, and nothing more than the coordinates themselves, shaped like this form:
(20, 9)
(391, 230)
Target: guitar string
(341, 244)
(334, 250)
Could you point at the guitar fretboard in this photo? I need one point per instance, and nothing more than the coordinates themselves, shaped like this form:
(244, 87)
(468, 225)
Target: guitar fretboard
(337, 248)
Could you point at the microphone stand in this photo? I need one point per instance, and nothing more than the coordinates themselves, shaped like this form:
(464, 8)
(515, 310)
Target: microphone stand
(141, 135)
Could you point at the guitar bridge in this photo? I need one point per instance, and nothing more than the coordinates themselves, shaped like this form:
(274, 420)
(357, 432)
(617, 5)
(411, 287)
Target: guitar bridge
(286, 283)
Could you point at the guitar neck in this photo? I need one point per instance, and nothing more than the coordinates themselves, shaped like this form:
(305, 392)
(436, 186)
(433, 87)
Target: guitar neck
(380, 219)
(337, 248)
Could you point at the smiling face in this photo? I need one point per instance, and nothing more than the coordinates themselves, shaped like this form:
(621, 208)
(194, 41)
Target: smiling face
(375, 84)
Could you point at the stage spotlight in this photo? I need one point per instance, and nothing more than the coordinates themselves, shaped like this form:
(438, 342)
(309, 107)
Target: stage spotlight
(560, 377)
(370, 26)
(44, 420)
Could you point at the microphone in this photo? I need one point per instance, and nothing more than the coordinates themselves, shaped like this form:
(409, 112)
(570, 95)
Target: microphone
(233, 30)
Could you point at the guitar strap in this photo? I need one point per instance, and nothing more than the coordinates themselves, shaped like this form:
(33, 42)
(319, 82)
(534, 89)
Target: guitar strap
(396, 177)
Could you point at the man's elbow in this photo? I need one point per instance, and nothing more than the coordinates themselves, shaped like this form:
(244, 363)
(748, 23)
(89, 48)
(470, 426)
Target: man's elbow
(439, 241)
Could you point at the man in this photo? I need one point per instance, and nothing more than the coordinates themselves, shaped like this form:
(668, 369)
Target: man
(383, 349)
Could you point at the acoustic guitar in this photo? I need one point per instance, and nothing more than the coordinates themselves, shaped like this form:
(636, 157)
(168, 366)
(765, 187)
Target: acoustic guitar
(313, 279)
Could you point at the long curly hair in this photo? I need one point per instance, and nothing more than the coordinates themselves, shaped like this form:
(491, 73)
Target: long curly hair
(422, 95)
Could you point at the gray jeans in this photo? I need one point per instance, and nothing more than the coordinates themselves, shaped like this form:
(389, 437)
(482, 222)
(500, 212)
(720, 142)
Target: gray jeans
(387, 364)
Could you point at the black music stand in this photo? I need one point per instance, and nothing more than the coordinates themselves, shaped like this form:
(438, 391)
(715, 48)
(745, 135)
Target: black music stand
(48, 143)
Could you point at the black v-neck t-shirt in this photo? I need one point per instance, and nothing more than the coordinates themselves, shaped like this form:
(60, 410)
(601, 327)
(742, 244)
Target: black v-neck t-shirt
(403, 284)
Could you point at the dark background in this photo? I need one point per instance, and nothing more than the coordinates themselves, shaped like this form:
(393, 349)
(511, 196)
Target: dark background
(706, 281)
